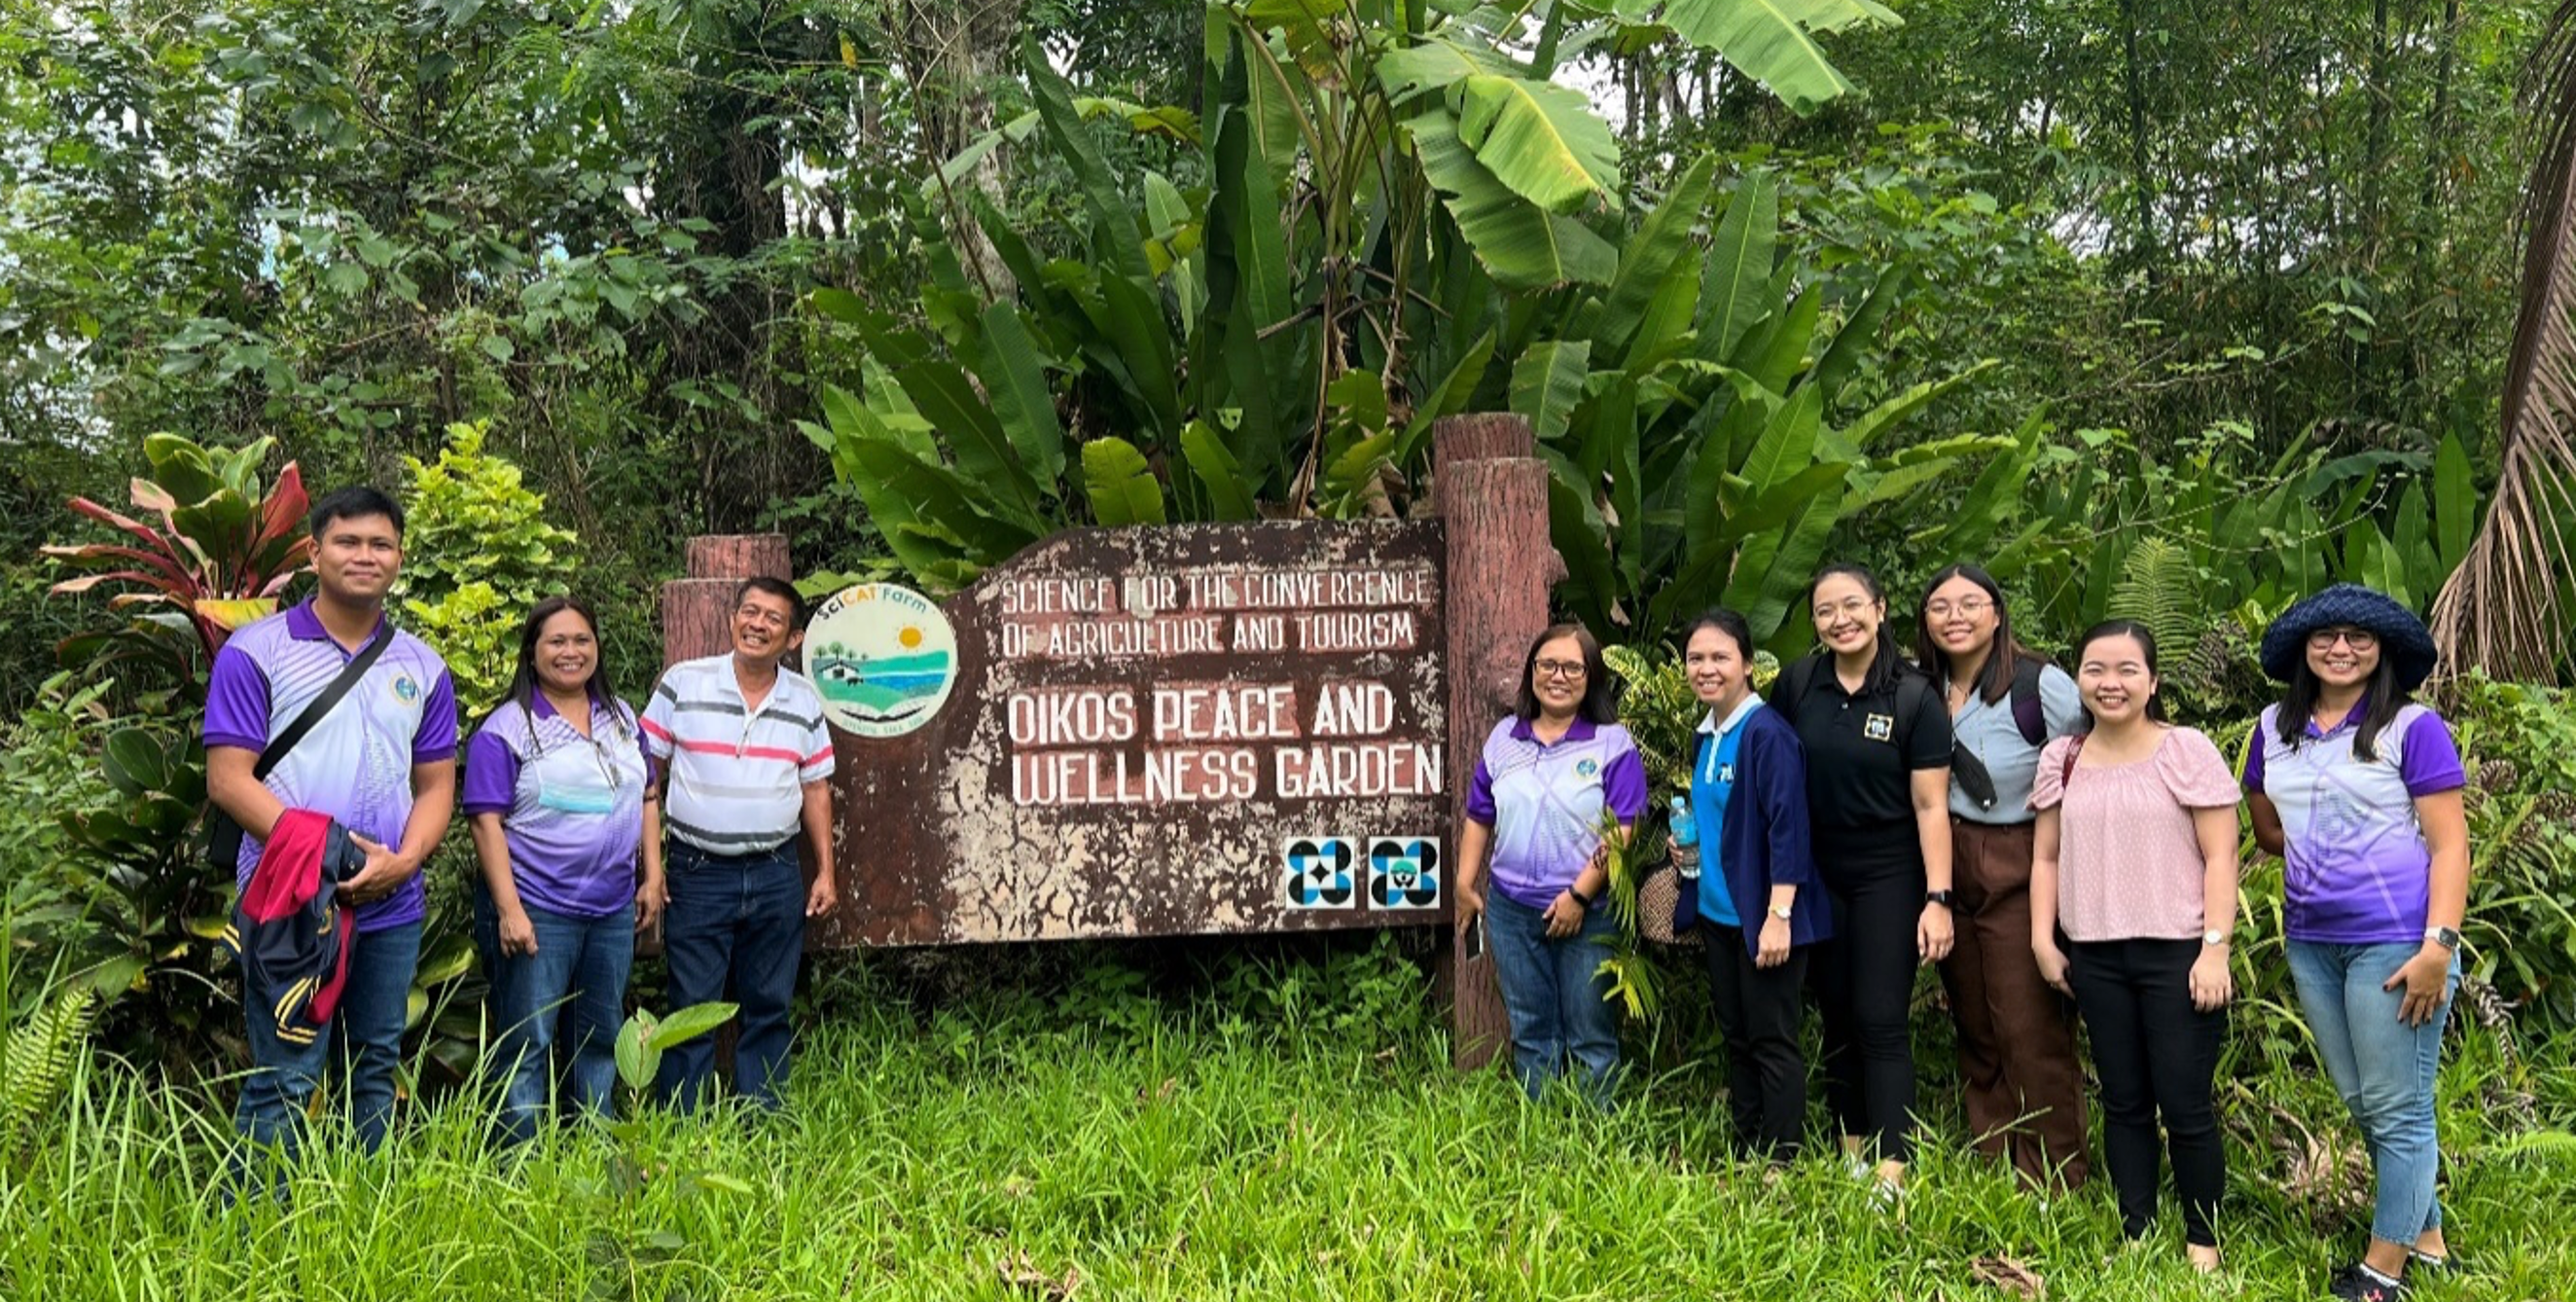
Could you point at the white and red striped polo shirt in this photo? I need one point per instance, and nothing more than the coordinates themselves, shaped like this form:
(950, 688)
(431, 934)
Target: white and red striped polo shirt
(737, 774)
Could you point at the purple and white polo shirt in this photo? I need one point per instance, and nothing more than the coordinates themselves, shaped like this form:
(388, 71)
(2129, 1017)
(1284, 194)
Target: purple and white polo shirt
(571, 807)
(1544, 802)
(355, 765)
(2358, 872)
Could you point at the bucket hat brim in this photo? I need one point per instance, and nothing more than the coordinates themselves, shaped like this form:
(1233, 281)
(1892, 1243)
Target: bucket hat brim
(2404, 643)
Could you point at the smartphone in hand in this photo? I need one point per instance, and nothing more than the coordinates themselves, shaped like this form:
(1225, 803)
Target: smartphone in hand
(1475, 938)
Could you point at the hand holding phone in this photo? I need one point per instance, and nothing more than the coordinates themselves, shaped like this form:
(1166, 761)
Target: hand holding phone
(1474, 937)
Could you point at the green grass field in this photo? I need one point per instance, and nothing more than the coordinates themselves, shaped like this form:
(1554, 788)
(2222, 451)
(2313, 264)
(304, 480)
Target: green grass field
(1292, 1133)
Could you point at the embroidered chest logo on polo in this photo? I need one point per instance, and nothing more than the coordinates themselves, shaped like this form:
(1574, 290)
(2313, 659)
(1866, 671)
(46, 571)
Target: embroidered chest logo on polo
(1726, 774)
(1584, 768)
(406, 689)
(1879, 727)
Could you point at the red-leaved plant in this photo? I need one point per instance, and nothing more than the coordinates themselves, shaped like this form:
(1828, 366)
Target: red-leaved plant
(224, 550)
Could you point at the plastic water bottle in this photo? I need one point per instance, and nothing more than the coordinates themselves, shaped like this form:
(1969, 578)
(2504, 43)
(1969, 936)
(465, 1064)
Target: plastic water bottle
(1685, 835)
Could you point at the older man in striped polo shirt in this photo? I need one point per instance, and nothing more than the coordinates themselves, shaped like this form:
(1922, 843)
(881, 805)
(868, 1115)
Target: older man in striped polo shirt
(743, 756)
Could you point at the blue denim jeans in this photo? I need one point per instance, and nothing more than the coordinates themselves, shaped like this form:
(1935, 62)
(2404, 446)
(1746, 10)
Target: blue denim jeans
(2384, 1069)
(1556, 996)
(576, 981)
(365, 1042)
(734, 930)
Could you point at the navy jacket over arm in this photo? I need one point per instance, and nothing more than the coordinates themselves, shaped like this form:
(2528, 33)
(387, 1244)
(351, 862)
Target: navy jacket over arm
(1764, 841)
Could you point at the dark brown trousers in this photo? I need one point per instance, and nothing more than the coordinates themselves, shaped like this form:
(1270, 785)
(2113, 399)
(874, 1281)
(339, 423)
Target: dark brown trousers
(2025, 1091)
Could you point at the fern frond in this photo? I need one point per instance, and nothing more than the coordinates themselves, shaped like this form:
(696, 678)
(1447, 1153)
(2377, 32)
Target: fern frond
(2160, 588)
(37, 1060)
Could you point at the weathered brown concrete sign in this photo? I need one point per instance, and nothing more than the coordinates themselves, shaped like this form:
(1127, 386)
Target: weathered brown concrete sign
(1201, 728)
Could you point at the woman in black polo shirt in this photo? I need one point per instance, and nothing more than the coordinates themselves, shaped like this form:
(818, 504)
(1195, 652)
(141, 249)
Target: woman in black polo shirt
(1878, 790)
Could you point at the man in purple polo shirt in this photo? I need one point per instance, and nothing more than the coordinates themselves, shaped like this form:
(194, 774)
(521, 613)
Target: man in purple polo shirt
(382, 764)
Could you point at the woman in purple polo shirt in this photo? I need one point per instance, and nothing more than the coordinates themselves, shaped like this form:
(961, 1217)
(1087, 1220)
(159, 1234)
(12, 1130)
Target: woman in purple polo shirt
(2357, 787)
(556, 797)
(1536, 802)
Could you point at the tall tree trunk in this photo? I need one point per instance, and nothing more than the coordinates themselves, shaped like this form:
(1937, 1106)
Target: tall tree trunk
(2141, 184)
(2437, 123)
(2375, 139)
(725, 168)
(953, 51)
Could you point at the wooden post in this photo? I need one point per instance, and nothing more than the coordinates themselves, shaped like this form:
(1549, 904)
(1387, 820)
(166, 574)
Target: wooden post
(697, 614)
(697, 611)
(1491, 490)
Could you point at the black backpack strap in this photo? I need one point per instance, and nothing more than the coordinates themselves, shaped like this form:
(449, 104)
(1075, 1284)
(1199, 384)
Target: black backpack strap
(223, 836)
(1795, 680)
(1910, 690)
(2026, 705)
(313, 714)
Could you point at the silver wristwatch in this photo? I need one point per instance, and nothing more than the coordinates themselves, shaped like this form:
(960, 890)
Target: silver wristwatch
(2444, 937)
(1781, 911)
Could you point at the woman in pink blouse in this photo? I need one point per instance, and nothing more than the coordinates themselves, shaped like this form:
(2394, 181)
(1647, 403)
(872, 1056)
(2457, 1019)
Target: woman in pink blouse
(2136, 868)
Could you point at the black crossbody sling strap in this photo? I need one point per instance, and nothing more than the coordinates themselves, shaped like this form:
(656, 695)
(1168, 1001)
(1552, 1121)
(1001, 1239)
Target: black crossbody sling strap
(223, 835)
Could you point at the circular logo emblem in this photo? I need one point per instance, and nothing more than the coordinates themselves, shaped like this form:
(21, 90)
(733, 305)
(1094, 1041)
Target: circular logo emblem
(883, 657)
(405, 689)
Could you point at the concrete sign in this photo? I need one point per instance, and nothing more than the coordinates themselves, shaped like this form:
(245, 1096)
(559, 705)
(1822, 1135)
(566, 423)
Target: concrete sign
(1202, 728)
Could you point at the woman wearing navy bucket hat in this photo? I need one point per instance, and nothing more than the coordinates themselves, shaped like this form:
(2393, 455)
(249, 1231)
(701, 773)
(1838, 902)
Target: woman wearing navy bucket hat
(2357, 787)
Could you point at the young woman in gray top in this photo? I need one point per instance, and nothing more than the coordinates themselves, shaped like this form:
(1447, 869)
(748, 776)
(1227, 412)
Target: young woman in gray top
(2025, 1090)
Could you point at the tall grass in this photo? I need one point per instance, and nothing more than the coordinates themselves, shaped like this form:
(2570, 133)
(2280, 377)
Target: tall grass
(1111, 1141)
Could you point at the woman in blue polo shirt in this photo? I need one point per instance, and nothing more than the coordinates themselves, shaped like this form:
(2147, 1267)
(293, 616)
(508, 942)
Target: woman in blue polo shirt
(2357, 787)
(556, 798)
(1536, 803)
(1749, 799)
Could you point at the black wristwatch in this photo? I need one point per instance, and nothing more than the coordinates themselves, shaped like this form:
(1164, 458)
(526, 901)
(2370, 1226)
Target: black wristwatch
(1941, 898)
(1579, 896)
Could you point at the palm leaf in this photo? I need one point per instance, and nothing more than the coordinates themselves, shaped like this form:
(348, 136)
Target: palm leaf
(2504, 610)
(1541, 139)
(1547, 382)
(1523, 245)
(1772, 42)
(1120, 483)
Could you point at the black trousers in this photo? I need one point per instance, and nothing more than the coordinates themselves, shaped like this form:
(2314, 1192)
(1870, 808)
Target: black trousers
(1864, 980)
(1757, 1016)
(2156, 1056)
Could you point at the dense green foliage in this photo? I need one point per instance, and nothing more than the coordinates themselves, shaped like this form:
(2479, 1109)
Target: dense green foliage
(2158, 310)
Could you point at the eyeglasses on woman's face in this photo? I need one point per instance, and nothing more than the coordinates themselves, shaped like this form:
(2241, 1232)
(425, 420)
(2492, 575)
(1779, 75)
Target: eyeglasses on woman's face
(2359, 639)
(1569, 670)
(1965, 607)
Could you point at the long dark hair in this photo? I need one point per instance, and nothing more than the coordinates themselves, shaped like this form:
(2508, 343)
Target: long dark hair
(1890, 663)
(2381, 698)
(2146, 640)
(523, 679)
(2004, 659)
(1598, 706)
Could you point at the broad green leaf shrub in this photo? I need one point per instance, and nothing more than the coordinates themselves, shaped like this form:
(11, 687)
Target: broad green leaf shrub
(48, 770)
(2519, 744)
(478, 552)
